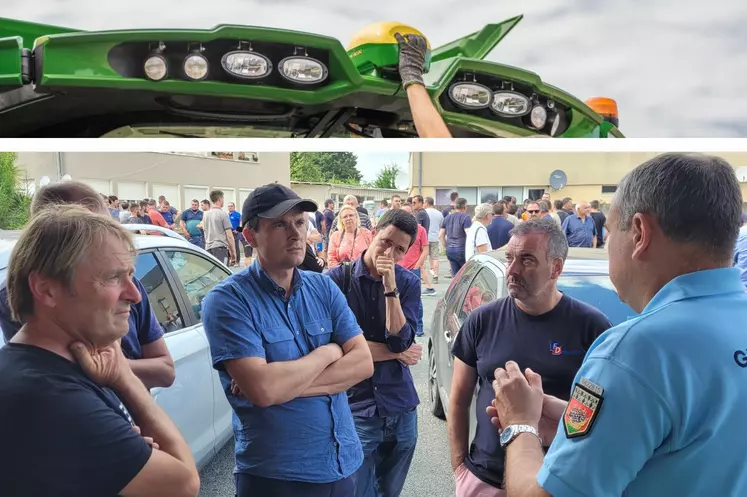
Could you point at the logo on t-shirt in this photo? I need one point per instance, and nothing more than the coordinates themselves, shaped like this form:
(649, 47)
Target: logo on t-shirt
(740, 357)
(126, 414)
(556, 348)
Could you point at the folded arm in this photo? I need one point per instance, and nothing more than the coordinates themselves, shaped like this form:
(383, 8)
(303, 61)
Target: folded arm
(156, 368)
(354, 366)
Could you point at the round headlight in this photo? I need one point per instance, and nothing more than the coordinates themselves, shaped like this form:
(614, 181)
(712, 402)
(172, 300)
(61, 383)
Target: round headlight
(510, 104)
(155, 68)
(303, 70)
(248, 65)
(470, 95)
(196, 66)
(559, 123)
(538, 117)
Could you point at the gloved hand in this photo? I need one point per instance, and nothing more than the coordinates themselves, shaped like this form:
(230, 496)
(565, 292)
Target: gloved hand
(412, 52)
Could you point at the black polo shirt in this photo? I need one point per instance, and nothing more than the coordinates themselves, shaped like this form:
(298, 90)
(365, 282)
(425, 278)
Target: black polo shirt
(553, 345)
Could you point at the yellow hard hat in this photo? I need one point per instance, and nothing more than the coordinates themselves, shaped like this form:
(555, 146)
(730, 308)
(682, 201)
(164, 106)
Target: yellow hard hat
(383, 33)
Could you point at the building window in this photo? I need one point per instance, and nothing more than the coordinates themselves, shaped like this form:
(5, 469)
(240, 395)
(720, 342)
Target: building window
(442, 196)
(535, 193)
(469, 193)
(514, 191)
(609, 189)
(490, 193)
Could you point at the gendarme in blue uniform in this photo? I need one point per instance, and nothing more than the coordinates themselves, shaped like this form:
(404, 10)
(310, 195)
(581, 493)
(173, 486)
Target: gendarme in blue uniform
(673, 416)
(308, 439)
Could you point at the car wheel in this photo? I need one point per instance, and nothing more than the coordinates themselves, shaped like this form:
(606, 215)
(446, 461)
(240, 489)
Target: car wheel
(437, 407)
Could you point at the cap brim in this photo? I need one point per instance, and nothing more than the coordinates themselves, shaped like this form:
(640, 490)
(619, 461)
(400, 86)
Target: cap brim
(286, 205)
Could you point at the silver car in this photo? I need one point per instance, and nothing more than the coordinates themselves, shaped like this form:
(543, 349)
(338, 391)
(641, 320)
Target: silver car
(177, 276)
(585, 277)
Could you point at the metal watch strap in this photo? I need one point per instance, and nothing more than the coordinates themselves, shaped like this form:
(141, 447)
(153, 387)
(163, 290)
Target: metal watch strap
(519, 429)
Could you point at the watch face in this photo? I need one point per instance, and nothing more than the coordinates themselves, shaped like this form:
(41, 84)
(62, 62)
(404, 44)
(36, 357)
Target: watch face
(506, 435)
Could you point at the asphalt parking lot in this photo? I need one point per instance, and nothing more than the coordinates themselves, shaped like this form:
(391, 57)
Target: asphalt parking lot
(430, 473)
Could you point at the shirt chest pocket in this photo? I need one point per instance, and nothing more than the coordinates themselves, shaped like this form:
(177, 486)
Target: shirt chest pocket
(319, 332)
(280, 344)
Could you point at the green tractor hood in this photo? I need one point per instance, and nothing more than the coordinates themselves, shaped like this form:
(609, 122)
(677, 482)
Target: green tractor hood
(61, 82)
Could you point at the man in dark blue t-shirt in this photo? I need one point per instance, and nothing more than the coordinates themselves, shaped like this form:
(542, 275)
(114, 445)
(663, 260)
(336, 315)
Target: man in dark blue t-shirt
(500, 227)
(75, 420)
(453, 235)
(143, 344)
(536, 326)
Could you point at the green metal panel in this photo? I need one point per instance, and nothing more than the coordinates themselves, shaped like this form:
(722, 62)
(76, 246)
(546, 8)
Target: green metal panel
(10, 63)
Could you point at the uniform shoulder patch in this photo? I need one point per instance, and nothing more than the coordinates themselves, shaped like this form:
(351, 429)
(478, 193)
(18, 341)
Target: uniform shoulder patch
(583, 407)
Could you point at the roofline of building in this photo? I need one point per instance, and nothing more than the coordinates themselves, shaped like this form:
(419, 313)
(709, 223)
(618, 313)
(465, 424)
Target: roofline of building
(357, 187)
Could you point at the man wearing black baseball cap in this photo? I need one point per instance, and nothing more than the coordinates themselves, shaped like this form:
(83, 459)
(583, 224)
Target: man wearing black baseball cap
(287, 348)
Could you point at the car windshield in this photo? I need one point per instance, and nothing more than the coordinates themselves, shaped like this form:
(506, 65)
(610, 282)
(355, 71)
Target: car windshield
(598, 291)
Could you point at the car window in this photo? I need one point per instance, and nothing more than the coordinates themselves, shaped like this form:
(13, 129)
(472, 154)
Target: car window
(160, 294)
(597, 291)
(458, 288)
(483, 289)
(198, 276)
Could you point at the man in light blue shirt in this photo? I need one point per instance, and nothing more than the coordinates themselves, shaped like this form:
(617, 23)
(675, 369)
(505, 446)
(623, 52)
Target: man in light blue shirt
(580, 228)
(740, 253)
(658, 407)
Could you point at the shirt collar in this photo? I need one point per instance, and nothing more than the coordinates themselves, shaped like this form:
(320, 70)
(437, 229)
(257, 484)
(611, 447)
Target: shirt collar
(269, 284)
(359, 267)
(706, 283)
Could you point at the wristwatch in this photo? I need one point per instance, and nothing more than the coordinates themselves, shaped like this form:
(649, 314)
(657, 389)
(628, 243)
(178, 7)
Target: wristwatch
(512, 431)
(395, 293)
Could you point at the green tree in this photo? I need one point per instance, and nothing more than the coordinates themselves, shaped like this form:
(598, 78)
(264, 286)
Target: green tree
(387, 177)
(14, 204)
(304, 168)
(330, 167)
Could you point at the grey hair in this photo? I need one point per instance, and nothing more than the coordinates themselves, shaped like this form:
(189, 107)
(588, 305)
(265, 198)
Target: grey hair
(557, 243)
(350, 197)
(483, 210)
(695, 198)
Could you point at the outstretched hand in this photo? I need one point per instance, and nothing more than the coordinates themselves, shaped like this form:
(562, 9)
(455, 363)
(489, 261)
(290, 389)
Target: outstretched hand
(412, 52)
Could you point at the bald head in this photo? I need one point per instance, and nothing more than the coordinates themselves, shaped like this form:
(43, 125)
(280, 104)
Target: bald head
(583, 208)
(68, 192)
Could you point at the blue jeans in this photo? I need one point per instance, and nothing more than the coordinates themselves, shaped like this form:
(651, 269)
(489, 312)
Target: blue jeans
(456, 259)
(197, 240)
(251, 486)
(419, 332)
(388, 446)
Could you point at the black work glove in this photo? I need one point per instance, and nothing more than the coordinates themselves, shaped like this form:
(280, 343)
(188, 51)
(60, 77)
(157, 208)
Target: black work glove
(412, 52)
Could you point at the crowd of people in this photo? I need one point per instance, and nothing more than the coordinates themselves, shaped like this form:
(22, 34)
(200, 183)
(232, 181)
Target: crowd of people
(317, 366)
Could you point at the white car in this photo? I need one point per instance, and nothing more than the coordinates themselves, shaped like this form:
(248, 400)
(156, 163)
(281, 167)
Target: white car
(177, 276)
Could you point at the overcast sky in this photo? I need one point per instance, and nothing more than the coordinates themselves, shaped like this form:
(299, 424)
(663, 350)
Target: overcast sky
(676, 68)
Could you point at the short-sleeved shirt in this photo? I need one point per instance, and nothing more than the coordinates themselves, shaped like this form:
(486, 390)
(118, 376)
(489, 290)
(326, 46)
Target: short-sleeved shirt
(319, 218)
(168, 217)
(191, 220)
(62, 434)
(157, 218)
(477, 235)
(124, 216)
(307, 439)
(424, 219)
(672, 416)
(447, 211)
(455, 224)
(235, 218)
(144, 327)
(416, 250)
(740, 254)
(599, 221)
(215, 222)
(552, 344)
(498, 231)
(579, 233)
(436, 219)
(329, 219)
(391, 390)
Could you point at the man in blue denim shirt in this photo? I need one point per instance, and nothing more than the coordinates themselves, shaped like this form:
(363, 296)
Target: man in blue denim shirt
(287, 348)
(385, 297)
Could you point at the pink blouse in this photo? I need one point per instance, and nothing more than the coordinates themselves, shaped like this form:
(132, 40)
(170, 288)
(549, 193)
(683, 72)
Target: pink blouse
(345, 246)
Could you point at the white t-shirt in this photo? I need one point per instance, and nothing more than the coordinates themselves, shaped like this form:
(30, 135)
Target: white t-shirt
(477, 235)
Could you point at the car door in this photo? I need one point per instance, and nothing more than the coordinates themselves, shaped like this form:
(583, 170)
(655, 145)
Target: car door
(189, 401)
(197, 274)
(451, 323)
